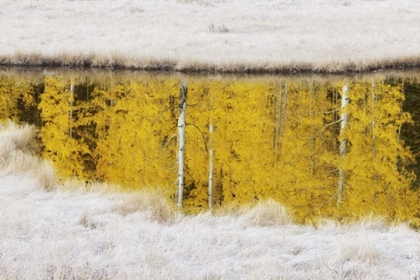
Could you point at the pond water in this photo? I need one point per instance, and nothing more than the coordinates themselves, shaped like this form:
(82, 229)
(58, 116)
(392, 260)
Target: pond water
(273, 137)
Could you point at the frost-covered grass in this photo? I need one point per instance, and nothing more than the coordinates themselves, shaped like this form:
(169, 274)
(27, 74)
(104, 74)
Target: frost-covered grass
(76, 231)
(215, 35)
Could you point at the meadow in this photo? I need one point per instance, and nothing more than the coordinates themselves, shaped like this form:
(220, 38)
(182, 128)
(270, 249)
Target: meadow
(324, 36)
(73, 230)
(58, 227)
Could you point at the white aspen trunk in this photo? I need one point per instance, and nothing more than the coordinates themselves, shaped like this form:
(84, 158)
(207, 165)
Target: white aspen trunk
(211, 166)
(343, 143)
(274, 121)
(181, 142)
(280, 112)
(286, 90)
(334, 103)
(282, 115)
(313, 132)
(71, 109)
(399, 128)
(373, 118)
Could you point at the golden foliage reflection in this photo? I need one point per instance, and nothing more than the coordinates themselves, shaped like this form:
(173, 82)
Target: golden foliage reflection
(273, 138)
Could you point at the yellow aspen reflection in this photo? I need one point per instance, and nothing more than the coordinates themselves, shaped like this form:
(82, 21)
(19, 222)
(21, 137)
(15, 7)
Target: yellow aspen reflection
(16, 96)
(271, 138)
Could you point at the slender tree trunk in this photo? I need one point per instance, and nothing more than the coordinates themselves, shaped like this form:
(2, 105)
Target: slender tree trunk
(337, 114)
(181, 142)
(71, 109)
(278, 123)
(373, 119)
(274, 121)
(282, 115)
(343, 143)
(399, 128)
(211, 167)
(312, 136)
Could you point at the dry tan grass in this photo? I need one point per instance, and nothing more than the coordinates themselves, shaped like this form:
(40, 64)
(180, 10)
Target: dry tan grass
(118, 61)
(370, 222)
(151, 201)
(74, 185)
(46, 176)
(265, 213)
(14, 137)
(147, 201)
(17, 146)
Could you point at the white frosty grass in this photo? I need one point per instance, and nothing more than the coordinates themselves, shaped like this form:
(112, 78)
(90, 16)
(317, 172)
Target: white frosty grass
(75, 231)
(331, 35)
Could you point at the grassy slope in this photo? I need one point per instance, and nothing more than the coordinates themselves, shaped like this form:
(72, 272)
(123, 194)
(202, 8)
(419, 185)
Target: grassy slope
(212, 35)
(65, 232)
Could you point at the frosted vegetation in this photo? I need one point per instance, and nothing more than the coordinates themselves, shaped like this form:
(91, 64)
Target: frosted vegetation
(51, 229)
(230, 35)
(76, 231)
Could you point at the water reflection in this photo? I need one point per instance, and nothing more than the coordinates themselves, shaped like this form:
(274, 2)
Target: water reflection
(273, 138)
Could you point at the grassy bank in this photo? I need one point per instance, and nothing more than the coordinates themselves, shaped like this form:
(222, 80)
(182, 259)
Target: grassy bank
(121, 62)
(74, 230)
(212, 36)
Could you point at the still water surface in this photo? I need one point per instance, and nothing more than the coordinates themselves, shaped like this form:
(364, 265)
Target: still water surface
(273, 137)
